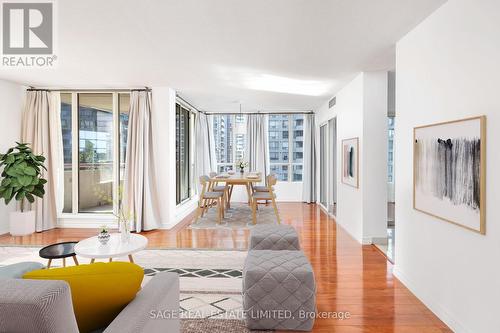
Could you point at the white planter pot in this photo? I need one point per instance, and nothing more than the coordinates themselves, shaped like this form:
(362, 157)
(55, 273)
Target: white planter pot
(22, 224)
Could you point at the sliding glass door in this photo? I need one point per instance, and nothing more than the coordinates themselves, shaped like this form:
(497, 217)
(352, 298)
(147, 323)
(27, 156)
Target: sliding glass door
(94, 131)
(95, 153)
(332, 170)
(323, 165)
(182, 144)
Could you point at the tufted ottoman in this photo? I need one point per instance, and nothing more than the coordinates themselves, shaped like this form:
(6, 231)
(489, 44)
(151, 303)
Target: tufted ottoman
(274, 237)
(279, 291)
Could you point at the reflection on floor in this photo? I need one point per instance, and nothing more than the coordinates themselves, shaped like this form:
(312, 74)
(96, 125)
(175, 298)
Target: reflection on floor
(388, 249)
(332, 209)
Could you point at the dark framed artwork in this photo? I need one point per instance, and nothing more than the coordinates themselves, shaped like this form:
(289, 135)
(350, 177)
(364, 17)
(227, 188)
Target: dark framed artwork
(449, 171)
(350, 162)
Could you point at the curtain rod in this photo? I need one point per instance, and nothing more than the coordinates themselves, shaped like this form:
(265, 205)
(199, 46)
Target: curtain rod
(88, 90)
(254, 113)
(186, 102)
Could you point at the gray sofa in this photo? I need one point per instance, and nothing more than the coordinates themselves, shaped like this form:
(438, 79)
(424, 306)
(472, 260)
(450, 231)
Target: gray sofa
(45, 306)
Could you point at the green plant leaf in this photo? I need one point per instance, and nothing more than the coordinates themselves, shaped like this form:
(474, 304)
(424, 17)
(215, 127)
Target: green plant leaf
(43, 181)
(6, 181)
(35, 181)
(30, 197)
(10, 159)
(30, 171)
(40, 189)
(25, 180)
(38, 193)
(11, 172)
(7, 194)
(20, 195)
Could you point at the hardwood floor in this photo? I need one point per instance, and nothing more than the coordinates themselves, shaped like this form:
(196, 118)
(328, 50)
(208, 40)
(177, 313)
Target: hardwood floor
(350, 277)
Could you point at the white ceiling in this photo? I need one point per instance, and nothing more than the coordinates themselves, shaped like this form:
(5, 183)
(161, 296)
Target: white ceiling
(268, 54)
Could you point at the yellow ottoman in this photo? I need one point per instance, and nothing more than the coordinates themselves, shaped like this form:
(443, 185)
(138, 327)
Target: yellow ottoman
(99, 291)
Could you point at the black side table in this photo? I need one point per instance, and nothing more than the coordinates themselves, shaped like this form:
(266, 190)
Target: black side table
(59, 251)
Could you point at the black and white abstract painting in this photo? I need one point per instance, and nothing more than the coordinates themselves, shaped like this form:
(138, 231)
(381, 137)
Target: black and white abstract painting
(449, 171)
(350, 168)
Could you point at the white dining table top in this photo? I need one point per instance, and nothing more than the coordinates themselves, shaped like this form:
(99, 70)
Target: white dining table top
(92, 248)
(237, 177)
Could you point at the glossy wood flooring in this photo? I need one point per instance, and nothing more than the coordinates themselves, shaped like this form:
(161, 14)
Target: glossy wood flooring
(350, 277)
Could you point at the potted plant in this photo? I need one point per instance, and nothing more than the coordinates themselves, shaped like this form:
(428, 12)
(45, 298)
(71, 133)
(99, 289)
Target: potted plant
(103, 235)
(21, 179)
(242, 165)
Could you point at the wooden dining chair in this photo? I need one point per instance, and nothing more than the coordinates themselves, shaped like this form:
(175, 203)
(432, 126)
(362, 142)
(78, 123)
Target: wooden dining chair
(262, 188)
(208, 199)
(215, 187)
(269, 195)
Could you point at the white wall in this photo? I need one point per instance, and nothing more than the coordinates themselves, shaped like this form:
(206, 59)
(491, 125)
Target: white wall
(375, 156)
(361, 111)
(164, 100)
(163, 117)
(11, 105)
(448, 68)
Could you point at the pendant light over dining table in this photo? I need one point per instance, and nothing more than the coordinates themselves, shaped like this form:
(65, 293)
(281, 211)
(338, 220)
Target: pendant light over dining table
(240, 124)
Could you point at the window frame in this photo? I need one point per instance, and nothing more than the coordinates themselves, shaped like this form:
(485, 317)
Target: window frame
(75, 146)
(233, 138)
(290, 149)
(189, 155)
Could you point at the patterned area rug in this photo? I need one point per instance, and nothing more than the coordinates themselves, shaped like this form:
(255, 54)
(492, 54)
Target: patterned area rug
(210, 281)
(214, 326)
(239, 216)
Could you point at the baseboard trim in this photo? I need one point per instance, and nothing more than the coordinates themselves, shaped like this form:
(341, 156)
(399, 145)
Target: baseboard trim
(449, 319)
(359, 240)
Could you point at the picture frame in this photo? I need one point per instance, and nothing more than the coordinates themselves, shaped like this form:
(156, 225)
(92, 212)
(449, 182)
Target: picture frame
(350, 162)
(449, 172)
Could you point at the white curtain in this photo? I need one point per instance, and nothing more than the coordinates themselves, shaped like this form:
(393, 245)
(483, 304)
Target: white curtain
(309, 170)
(204, 159)
(257, 143)
(140, 200)
(41, 128)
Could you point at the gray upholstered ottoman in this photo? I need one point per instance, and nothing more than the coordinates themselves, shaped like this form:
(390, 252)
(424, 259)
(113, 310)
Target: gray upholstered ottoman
(16, 271)
(274, 237)
(279, 291)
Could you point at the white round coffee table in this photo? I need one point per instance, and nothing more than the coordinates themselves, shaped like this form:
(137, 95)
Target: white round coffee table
(93, 249)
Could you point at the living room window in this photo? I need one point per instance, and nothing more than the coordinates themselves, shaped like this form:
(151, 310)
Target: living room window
(94, 131)
(230, 140)
(286, 146)
(182, 151)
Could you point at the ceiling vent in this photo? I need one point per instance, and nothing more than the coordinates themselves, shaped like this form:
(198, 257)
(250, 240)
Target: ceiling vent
(332, 102)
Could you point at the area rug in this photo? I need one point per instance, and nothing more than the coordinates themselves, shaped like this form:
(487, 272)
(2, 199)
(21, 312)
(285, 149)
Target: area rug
(210, 281)
(239, 216)
(214, 326)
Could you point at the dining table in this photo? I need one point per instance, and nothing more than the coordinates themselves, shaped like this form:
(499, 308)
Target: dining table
(247, 179)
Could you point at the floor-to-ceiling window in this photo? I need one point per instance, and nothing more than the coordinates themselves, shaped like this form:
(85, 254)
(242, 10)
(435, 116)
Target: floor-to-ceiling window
(94, 131)
(230, 140)
(286, 146)
(182, 150)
